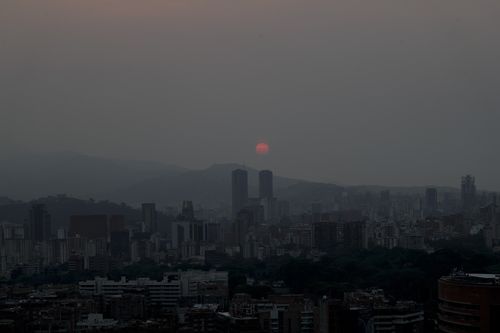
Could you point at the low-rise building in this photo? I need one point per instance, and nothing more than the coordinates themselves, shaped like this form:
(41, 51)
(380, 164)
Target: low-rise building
(190, 286)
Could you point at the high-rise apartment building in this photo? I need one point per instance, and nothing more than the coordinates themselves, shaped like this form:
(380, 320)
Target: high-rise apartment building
(326, 234)
(431, 200)
(119, 245)
(468, 193)
(354, 235)
(239, 189)
(266, 184)
(187, 212)
(385, 206)
(39, 223)
(149, 217)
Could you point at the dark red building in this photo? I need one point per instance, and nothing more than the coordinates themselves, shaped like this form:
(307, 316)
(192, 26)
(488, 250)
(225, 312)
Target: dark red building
(89, 226)
(469, 303)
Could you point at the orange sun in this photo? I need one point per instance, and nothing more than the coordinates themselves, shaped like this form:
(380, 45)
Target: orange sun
(262, 148)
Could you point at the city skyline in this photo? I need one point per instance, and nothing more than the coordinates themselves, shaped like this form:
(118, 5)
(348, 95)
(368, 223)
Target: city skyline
(249, 166)
(12, 164)
(127, 267)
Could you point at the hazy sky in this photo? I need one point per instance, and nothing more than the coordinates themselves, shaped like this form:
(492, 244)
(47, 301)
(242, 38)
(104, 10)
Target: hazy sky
(354, 91)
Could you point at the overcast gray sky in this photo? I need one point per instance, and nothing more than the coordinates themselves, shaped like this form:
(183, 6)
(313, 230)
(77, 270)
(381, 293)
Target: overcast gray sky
(354, 91)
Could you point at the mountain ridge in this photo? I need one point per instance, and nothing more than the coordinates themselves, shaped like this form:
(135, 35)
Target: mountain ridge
(29, 176)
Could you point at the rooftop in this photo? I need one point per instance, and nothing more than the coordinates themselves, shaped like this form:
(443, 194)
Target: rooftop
(473, 278)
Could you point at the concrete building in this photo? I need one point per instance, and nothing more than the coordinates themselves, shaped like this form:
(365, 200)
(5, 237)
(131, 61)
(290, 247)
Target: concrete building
(385, 205)
(201, 318)
(39, 223)
(186, 231)
(204, 287)
(326, 234)
(89, 226)
(141, 246)
(384, 234)
(94, 322)
(266, 184)
(431, 201)
(344, 228)
(378, 314)
(165, 292)
(239, 189)
(291, 313)
(469, 303)
(395, 318)
(119, 245)
(468, 193)
(116, 223)
(354, 235)
(283, 209)
(187, 211)
(149, 217)
(226, 323)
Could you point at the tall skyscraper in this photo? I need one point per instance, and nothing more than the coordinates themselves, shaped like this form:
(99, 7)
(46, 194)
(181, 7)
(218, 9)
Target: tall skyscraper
(239, 189)
(468, 193)
(385, 203)
(187, 210)
(283, 209)
(149, 217)
(354, 234)
(266, 184)
(39, 224)
(119, 245)
(245, 222)
(187, 232)
(266, 195)
(431, 200)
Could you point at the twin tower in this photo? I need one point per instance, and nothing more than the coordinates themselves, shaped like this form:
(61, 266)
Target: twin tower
(239, 186)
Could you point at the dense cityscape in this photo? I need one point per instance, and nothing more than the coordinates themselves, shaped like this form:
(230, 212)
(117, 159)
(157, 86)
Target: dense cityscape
(249, 166)
(355, 262)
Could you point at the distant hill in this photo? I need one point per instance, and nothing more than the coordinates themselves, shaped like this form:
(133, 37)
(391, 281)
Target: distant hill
(211, 186)
(62, 207)
(408, 190)
(28, 176)
(303, 194)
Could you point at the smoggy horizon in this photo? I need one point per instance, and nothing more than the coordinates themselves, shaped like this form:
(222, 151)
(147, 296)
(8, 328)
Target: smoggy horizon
(57, 154)
(348, 92)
